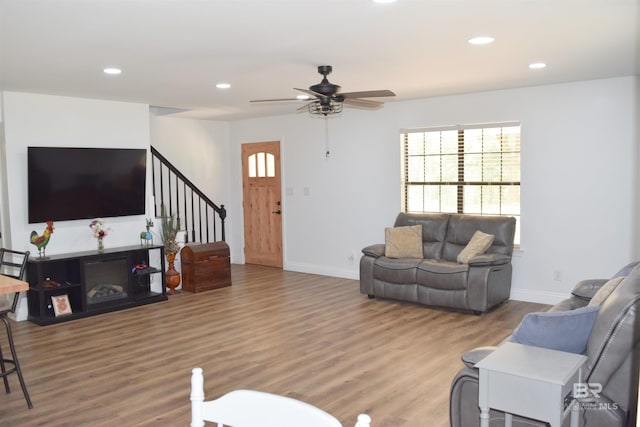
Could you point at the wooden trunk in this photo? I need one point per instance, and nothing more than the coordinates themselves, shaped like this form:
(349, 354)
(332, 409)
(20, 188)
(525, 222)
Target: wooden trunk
(205, 266)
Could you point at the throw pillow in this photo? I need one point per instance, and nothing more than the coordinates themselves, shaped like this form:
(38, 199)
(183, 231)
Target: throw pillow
(479, 243)
(605, 291)
(403, 242)
(559, 330)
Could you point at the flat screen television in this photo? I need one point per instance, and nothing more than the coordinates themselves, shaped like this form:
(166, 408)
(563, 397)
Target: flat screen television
(81, 183)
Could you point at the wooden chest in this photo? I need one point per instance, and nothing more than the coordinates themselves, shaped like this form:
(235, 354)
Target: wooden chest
(205, 266)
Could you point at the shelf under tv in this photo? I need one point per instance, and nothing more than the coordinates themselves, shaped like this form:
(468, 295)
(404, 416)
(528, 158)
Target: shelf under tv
(95, 282)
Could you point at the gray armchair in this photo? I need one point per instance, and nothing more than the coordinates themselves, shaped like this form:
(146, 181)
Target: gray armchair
(613, 352)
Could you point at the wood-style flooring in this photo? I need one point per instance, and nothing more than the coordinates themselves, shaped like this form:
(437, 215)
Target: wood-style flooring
(310, 337)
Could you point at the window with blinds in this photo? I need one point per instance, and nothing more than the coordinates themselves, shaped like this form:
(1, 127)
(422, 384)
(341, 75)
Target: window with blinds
(463, 169)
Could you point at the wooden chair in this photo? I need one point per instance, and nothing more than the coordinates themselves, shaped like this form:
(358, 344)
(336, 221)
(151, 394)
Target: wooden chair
(12, 264)
(250, 408)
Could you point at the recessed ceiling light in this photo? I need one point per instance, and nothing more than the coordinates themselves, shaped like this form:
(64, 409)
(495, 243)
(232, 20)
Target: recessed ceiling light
(302, 97)
(383, 1)
(537, 65)
(112, 70)
(223, 85)
(481, 40)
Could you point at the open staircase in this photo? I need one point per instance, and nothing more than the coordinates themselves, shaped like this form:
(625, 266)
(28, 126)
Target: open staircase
(202, 219)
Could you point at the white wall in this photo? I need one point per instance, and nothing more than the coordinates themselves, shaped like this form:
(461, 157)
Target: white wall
(198, 148)
(579, 161)
(4, 212)
(636, 189)
(43, 120)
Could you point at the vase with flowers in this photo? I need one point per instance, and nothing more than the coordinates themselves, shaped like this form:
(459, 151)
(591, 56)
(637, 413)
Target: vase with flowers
(99, 232)
(170, 229)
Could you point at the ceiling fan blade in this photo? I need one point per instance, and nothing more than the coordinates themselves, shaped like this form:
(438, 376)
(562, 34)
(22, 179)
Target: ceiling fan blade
(274, 100)
(365, 103)
(305, 106)
(309, 92)
(368, 94)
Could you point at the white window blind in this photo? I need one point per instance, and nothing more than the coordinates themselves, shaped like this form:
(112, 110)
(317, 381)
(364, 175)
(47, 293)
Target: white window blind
(463, 169)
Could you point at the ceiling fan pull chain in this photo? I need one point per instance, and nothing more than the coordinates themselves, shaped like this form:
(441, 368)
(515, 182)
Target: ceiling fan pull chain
(326, 137)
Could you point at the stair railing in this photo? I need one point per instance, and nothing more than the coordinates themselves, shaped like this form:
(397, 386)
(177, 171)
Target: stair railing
(199, 216)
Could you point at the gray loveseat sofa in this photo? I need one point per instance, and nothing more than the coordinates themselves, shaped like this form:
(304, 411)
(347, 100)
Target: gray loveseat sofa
(437, 278)
(613, 352)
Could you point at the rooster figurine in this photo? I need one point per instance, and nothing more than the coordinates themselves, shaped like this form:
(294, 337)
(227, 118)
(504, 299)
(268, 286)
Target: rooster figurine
(42, 241)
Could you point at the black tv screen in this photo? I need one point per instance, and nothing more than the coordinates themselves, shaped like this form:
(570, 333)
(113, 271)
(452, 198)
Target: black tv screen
(81, 183)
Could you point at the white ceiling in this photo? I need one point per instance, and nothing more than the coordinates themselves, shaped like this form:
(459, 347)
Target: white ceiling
(173, 52)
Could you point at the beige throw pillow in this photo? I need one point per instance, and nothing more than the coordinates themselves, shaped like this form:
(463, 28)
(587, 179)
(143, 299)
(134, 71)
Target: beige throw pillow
(403, 242)
(605, 291)
(479, 243)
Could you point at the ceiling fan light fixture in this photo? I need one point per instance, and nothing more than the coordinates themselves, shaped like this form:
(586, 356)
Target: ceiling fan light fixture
(303, 97)
(317, 108)
(223, 85)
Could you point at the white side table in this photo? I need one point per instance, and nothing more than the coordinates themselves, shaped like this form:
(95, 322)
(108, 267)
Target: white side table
(529, 381)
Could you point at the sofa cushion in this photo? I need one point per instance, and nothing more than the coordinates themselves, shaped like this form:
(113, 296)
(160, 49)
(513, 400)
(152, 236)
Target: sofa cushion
(403, 242)
(605, 291)
(434, 230)
(375, 251)
(396, 270)
(614, 342)
(559, 330)
(478, 244)
(462, 227)
(473, 356)
(624, 271)
(441, 274)
(570, 303)
(586, 289)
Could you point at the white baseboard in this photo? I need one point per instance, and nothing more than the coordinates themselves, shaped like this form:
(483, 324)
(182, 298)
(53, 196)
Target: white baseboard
(316, 269)
(528, 295)
(541, 297)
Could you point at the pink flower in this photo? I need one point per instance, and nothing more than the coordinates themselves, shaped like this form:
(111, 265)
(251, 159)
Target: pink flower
(98, 228)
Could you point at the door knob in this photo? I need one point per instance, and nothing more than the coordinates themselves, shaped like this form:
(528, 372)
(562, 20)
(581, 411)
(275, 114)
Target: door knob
(279, 212)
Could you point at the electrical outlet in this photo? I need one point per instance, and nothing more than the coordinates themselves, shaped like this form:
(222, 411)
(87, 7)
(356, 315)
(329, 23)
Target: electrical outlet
(557, 275)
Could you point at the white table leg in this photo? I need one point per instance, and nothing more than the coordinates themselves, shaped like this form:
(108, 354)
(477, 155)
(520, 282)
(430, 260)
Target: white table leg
(507, 419)
(575, 406)
(484, 417)
(575, 413)
(197, 397)
(483, 398)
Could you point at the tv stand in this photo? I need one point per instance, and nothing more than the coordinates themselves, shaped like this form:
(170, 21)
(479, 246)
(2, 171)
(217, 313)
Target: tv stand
(95, 282)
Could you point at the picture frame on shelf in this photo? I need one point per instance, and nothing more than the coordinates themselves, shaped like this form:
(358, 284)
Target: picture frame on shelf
(61, 305)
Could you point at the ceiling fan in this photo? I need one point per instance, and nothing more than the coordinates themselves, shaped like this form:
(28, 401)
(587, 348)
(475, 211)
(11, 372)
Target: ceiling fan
(328, 98)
